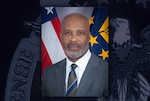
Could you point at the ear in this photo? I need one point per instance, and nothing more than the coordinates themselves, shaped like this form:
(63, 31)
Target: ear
(89, 35)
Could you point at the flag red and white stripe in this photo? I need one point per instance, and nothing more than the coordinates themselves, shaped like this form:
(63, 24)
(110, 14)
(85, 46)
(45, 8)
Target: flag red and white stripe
(52, 51)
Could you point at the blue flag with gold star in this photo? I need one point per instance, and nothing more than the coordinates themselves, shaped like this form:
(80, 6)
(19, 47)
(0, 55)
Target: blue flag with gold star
(99, 32)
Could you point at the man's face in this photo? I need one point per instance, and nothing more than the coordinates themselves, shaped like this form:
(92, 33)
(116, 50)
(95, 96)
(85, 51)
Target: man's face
(75, 36)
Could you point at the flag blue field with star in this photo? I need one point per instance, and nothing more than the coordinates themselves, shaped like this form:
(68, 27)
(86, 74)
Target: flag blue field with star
(99, 32)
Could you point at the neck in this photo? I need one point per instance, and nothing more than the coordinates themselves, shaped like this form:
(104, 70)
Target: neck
(73, 59)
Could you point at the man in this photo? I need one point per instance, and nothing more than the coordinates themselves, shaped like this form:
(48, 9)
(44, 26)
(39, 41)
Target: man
(91, 72)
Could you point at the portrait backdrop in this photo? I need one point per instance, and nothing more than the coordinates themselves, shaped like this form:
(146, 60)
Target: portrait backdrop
(52, 50)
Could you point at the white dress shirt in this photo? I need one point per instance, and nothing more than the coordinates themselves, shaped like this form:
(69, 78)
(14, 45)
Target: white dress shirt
(81, 63)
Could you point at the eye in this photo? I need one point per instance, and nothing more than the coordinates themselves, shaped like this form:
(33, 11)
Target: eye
(80, 33)
(67, 33)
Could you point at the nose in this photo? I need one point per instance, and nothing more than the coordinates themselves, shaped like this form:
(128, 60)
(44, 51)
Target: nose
(74, 37)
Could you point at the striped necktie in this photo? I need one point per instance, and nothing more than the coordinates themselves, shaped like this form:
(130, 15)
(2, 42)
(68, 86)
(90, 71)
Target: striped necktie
(72, 81)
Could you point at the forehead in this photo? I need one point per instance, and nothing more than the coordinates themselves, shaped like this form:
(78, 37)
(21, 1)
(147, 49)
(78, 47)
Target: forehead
(74, 17)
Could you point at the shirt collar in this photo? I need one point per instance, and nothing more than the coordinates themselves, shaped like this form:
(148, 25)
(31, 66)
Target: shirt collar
(82, 62)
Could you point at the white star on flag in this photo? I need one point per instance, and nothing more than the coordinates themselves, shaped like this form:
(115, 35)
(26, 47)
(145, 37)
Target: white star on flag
(49, 10)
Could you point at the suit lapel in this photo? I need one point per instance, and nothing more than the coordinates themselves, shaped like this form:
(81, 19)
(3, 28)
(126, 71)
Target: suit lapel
(88, 75)
(60, 78)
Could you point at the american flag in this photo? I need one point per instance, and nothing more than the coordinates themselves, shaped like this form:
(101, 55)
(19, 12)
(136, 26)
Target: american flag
(52, 51)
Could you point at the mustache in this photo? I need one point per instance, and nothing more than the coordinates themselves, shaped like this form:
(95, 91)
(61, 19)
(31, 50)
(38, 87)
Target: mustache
(73, 44)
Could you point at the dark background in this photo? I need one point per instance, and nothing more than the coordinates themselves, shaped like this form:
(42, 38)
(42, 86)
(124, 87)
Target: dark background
(13, 14)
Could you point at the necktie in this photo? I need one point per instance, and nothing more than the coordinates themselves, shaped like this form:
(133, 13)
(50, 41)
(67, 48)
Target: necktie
(72, 81)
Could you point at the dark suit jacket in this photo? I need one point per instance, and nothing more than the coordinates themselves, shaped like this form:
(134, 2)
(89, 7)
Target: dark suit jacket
(94, 82)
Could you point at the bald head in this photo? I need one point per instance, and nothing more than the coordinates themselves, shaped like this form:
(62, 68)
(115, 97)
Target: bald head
(75, 35)
(75, 17)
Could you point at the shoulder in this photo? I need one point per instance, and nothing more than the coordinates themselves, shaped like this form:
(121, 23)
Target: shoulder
(55, 66)
(95, 57)
(97, 60)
